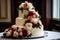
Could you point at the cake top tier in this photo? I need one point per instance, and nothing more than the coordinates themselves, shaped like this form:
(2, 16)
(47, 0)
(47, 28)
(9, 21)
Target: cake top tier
(26, 6)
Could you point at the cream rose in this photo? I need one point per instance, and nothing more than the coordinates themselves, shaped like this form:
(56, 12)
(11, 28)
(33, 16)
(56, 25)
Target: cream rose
(22, 4)
(35, 20)
(8, 33)
(15, 34)
(29, 26)
(14, 26)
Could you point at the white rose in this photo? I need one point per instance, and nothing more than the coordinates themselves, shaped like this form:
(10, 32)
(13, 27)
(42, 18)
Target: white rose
(30, 5)
(15, 34)
(29, 26)
(21, 5)
(8, 34)
(35, 20)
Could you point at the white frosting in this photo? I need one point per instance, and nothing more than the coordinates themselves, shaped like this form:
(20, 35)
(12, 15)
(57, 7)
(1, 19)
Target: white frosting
(20, 14)
(15, 26)
(20, 21)
(37, 32)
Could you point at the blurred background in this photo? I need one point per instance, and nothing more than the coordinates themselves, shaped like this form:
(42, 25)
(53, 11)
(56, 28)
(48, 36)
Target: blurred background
(48, 9)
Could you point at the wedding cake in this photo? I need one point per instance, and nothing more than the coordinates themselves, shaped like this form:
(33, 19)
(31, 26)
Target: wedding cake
(27, 24)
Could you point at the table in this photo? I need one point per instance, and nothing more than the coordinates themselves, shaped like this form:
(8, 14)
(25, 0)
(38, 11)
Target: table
(49, 35)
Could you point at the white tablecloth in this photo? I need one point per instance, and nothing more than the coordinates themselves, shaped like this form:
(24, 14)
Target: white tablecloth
(49, 35)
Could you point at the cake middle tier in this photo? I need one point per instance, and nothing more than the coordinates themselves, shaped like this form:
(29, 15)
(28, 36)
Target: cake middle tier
(20, 21)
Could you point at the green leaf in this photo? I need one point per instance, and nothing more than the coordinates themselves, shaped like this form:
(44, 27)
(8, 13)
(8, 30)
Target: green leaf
(39, 17)
(33, 8)
(37, 26)
(19, 8)
(25, 16)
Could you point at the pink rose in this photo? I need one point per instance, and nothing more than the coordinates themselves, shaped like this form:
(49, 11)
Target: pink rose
(21, 33)
(28, 33)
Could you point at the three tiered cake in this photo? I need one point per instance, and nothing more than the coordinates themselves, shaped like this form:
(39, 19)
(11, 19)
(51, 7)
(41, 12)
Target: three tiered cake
(27, 24)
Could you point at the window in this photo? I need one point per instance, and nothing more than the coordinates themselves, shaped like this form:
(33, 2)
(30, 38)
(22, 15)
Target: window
(56, 9)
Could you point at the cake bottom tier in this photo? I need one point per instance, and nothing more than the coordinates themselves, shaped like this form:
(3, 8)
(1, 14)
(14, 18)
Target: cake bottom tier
(36, 32)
